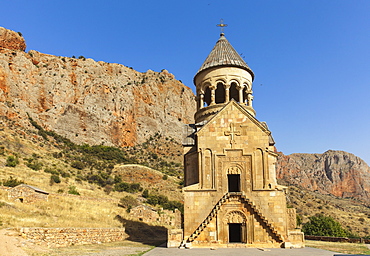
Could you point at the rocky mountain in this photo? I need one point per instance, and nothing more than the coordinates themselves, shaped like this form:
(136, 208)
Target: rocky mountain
(89, 101)
(97, 103)
(337, 173)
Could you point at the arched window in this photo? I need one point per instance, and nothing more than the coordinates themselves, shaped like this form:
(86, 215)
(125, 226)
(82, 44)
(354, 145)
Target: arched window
(207, 96)
(220, 93)
(234, 93)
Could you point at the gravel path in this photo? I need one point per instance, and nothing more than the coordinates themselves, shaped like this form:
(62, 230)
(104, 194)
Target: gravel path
(118, 251)
(161, 251)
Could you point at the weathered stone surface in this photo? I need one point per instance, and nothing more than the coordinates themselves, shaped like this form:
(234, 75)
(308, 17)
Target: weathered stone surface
(231, 195)
(92, 102)
(61, 237)
(334, 172)
(11, 40)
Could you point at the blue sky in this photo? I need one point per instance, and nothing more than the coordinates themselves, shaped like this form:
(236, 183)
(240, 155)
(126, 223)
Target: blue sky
(310, 57)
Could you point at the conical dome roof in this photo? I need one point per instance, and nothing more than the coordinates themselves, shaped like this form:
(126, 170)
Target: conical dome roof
(223, 54)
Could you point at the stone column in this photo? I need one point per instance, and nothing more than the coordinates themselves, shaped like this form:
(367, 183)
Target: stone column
(213, 92)
(227, 93)
(240, 89)
(201, 100)
(249, 99)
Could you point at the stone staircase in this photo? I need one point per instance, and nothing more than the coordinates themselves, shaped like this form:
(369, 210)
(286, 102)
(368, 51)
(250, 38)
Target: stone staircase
(217, 208)
(262, 217)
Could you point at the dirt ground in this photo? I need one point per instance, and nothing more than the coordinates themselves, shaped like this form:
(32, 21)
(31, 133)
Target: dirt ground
(11, 244)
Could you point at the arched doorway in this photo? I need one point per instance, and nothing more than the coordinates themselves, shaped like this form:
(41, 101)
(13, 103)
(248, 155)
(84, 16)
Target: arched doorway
(236, 224)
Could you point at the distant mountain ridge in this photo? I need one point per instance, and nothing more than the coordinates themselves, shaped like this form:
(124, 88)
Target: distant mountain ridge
(338, 173)
(90, 101)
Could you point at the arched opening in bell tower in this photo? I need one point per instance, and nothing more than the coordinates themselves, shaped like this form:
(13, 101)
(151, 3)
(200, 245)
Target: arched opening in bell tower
(207, 97)
(234, 93)
(220, 93)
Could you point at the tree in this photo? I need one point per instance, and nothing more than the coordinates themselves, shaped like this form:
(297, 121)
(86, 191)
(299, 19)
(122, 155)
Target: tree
(321, 225)
(128, 202)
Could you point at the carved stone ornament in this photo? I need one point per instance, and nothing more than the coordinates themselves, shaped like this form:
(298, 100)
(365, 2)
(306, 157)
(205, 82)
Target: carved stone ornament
(234, 170)
(235, 217)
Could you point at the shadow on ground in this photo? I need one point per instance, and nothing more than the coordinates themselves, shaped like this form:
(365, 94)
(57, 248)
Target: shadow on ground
(144, 233)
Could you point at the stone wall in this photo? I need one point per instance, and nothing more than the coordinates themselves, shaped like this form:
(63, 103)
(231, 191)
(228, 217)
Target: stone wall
(337, 239)
(149, 215)
(62, 237)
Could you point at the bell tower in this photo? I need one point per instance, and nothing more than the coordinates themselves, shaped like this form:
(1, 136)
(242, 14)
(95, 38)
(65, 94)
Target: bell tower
(224, 76)
(231, 196)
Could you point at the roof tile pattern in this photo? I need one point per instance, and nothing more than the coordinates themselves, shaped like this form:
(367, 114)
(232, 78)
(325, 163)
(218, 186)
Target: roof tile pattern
(223, 54)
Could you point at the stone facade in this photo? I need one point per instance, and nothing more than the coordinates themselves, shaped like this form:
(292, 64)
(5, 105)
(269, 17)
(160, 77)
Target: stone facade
(231, 194)
(27, 194)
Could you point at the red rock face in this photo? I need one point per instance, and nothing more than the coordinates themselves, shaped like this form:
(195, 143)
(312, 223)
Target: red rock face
(92, 102)
(11, 40)
(334, 172)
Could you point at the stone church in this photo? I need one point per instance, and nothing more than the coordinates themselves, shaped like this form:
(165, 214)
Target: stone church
(231, 195)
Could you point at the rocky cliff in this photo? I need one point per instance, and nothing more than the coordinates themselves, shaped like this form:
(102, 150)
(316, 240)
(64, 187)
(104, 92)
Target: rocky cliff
(334, 172)
(101, 103)
(89, 101)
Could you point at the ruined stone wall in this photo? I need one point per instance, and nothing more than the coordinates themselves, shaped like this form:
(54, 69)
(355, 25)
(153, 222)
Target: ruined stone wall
(61, 237)
(337, 239)
(26, 195)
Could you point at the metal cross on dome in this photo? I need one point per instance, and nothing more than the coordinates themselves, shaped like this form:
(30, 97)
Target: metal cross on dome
(222, 25)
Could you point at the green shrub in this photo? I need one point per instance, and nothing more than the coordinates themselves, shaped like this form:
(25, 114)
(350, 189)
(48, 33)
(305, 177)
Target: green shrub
(299, 220)
(164, 202)
(120, 187)
(73, 191)
(78, 165)
(12, 161)
(321, 225)
(131, 188)
(34, 165)
(11, 182)
(145, 193)
(128, 202)
(54, 179)
(51, 171)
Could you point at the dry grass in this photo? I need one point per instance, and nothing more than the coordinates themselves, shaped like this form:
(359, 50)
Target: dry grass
(60, 211)
(347, 248)
(119, 248)
(353, 215)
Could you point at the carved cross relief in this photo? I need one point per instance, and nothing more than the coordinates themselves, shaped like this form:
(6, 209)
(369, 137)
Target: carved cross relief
(232, 133)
